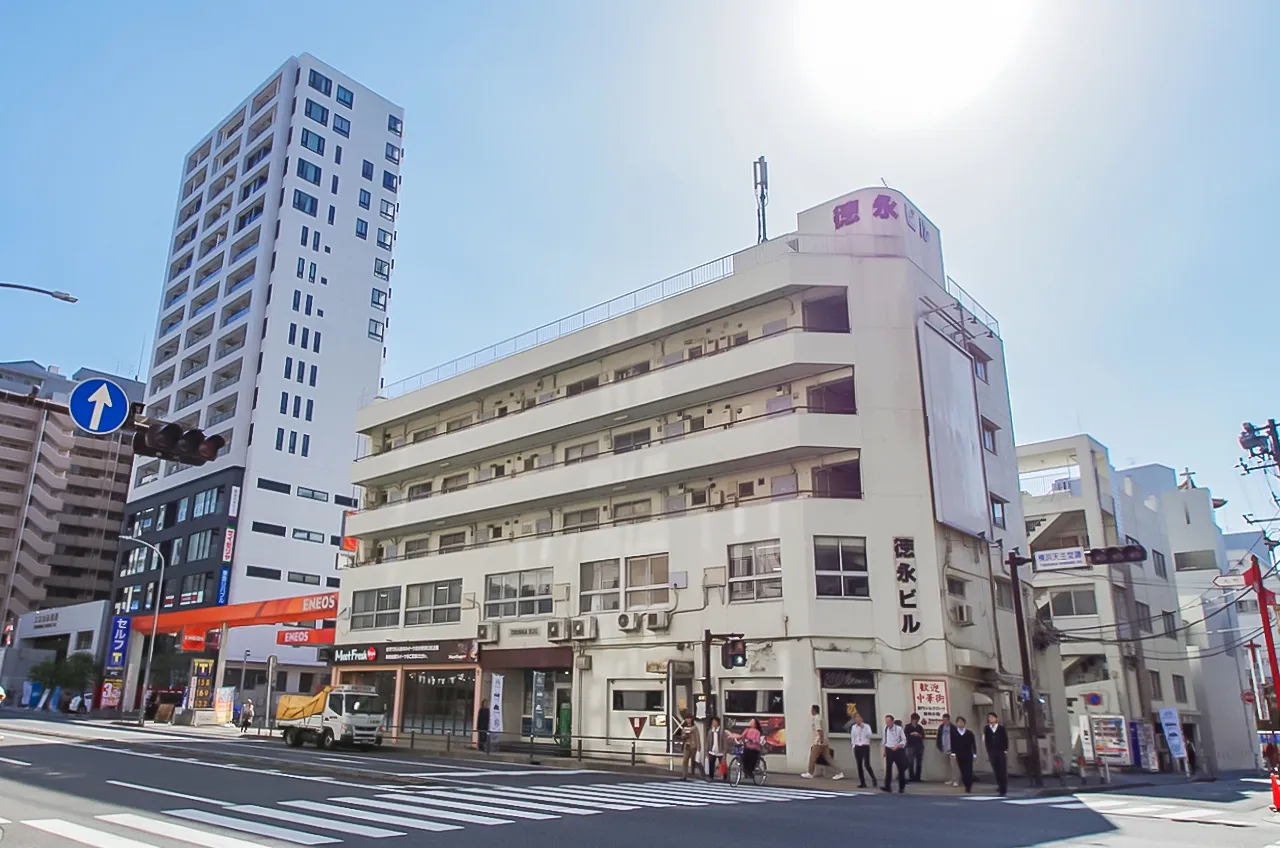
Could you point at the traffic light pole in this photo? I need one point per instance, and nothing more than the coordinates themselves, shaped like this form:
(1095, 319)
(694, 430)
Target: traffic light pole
(1014, 561)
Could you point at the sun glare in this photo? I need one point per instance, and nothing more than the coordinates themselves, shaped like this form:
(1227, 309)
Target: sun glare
(900, 64)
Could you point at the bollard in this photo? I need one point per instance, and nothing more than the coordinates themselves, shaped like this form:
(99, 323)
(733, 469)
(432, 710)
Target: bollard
(633, 753)
(530, 746)
(448, 742)
(579, 749)
(413, 738)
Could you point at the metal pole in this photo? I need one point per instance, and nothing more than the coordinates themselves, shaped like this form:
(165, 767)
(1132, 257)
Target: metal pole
(155, 624)
(244, 666)
(1264, 597)
(1014, 561)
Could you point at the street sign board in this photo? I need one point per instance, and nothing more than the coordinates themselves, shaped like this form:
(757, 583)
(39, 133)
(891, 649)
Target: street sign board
(637, 724)
(1229, 581)
(1247, 696)
(98, 406)
(1024, 692)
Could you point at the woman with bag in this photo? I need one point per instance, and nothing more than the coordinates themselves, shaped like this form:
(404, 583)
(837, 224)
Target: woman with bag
(715, 751)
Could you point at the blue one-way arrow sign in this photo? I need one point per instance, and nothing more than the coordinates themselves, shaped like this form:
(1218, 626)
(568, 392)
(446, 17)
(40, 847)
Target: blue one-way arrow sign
(98, 406)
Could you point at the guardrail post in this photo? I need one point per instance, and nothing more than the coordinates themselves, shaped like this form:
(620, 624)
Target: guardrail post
(413, 738)
(579, 749)
(448, 742)
(633, 752)
(530, 746)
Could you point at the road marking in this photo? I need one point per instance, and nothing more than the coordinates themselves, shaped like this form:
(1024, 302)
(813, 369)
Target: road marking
(1073, 805)
(170, 793)
(552, 797)
(5, 821)
(473, 795)
(282, 833)
(433, 813)
(47, 740)
(85, 835)
(316, 821)
(678, 792)
(1190, 814)
(1141, 809)
(157, 827)
(13, 762)
(1101, 803)
(1027, 802)
(380, 818)
(491, 808)
(619, 796)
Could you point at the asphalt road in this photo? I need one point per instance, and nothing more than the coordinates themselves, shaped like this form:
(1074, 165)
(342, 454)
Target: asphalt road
(112, 788)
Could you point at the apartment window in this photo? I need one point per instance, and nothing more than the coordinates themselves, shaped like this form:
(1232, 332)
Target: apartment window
(284, 403)
(279, 438)
(192, 589)
(345, 97)
(433, 603)
(989, 436)
(389, 181)
(1068, 602)
(309, 172)
(337, 154)
(341, 125)
(274, 486)
(313, 142)
(297, 294)
(378, 299)
(306, 333)
(382, 269)
(199, 545)
(648, 581)
(343, 500)
(264, 573)
(1157, 690)
(1159, 564)
(393, 153)
(1179, 688)
(333, 211)
(306, 444)
(632, 511)
(450, 542)
(333, 185)
(305, 203)
(1004, 593)
(310, 302)
(293, 441)
(384, 239)
(308, 536)
(754, 571)
(319, 82)
(375, 329)
(207, 502)
(840, 566)
(581, 453)
(306, 236)
(315, 342)
(997, 511)
(1145, 621)
(302, 267)
(633, 440)
(387, 209)
(293, 334)
(980, 361)
(1169, 622)
(956, 587)
(375, 608)
(580, 519)
(302, 577)
(312, 494)
(316, 112)
(841, 480)
(362, 228)
(365, 199)
(518, 594)
(366, 170)
(599, 586)
(312, 380)
(395, 125)
(288, 367)
(310, 403)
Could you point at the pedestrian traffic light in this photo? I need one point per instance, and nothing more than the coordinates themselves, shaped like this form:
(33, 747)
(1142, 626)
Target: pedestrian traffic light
(1116, 554)
(733, 654)
(170, 441)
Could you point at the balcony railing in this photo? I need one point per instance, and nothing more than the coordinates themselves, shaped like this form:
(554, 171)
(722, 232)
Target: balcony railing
(246, 221)
(237, 315)
(257, 157)
(239, 284)
(204, 307)
(162, 357)
(188, 370)
(169, 328)
(226, 381)
(243, 253)
(196, 339)
(227, 351)
(184, 402)
(175, 298)
(176, 272)
(209, 276)
(195, 210)
(219, 417)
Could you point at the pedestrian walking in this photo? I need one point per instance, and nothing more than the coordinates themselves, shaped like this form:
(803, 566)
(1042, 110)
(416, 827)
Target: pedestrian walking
(860, 740)
(820, 753)
(715, 749)
(689, 745)
(1191, 757)
(246, 716)
(943, 741)
(1272, 755)
(964, 750)
(894, 740)
(482, 727)
(996, 739)
(915, 748)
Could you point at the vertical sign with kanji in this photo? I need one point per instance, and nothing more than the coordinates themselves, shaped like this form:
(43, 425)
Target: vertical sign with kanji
(931, 700)
(904, 554)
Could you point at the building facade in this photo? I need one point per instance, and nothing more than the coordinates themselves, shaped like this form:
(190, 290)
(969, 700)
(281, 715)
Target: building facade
(807, 443)
(272, 320)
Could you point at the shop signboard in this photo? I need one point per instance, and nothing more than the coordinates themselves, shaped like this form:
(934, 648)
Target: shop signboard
(427, 653)
(495, 704)
(117, 646)
(223, 700)
(201, 695)
(1173, 732)
(931, 700)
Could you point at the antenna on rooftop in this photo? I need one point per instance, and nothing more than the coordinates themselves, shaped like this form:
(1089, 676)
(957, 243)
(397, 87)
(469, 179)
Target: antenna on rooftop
(761, 169)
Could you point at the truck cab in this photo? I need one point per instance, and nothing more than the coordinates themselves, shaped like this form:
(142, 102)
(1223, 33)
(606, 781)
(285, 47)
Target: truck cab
(350, 715)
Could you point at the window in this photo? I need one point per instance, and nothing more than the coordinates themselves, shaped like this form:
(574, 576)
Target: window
(293, 337)
(384, 239)
(450, 542)
(365, 198)
(332, 582)
(638, 700)
(395, 125)
(312, 380)
(346, 98)
(632, 511)
(433, 603)
(1159, 564)
(989, 436)
(319, 82)
(648, 581)
(310, 302)
(306, 235)
(1179, 688)
(288, 367)
(308, 536)
(375, 608)
(1157, 691)
(580, 519)
(599, 586)
(387, 209)
(293, 441)
(315, 342)
(1169, 622)
(362, 228)
(840, 566)
(306, 444)
(333, 211)
(302, 267)
(273, 486)
(343, 500)
(366, 170)
(518, 594)
(193, 588)
(393, 153)
(389, 181)
(313, 494)
(300, 577)
(834, 398)
(264, 573)
(341, 125)
(305, 334)
(207, 502)
(633, 440)
(980, 361)
(1144, 617)
(581, 453)
(1004, 593)
(313, 142)
(754, 571)
(305, 203)
(997, 511)
(269, 529)
(1068, 602)
(316, 112)
(337, 154)
(309, 172)
(279, 438)
(378, 299)
(310, 403)
(199, 545)
(375, 329)
(842, 480)
(382, 269)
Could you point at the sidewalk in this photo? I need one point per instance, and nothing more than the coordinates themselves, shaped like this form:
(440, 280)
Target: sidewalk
(1019, 787)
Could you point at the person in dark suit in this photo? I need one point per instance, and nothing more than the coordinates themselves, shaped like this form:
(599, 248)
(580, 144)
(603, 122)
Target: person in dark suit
(996, 739)
(964, 749)
(482, 727)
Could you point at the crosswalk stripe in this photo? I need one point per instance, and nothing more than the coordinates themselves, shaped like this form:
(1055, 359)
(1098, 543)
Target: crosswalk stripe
(1141, 809)
(676, 792)
(981, 798)
(139, 787)
(1102, 803)
(1190, 814)
(85, 835)
(447, 815)
(176, 831)
(542, 796)
(507, 801)
(282, 833)
(628, 796)
(491, 808)
(1028, 802)
(1071, 805)
(367, 815)
(736, 792)
(5, 821)
(316, 821)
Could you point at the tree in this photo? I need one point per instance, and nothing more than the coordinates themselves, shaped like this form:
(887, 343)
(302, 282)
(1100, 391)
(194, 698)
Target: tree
(75, 673)
(45, 673)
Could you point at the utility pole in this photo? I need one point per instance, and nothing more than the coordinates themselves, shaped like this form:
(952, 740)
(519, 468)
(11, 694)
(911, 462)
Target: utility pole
(1014, 561)
(1253, 577)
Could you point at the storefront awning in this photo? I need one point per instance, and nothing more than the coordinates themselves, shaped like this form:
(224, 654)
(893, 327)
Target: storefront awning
(276, 611)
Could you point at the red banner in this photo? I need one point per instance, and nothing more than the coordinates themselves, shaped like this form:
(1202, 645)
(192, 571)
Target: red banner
(305, 637)
(193, 639)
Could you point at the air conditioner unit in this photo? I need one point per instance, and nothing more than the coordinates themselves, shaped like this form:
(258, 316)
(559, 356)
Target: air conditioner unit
(582, 629)
(558, 630)
(630, 620)
(582, 662)
(962, 614)
(487, 633)
(656, 620)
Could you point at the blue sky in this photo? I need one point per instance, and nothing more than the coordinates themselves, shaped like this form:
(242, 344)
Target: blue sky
(1109, 197)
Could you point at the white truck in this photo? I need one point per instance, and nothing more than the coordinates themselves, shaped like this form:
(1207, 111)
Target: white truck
(346, 714)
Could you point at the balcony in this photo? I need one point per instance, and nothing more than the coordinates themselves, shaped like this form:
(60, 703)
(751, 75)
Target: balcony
(170, 324)
(185, 400)
(228, 156)
(253, 187)
(194, 183)
(262, 98)
(221, 184)
(223, 380)
(213, 241)
(199, 333)
(175, 294)
(161, 382)
(190, 210)
(230, 128)
(243, 252)
(181, 265)
(220, 416)
(257, 156)
(194, 160)
(165, 353)
(184, 238)
(217, 213)
(194, 364)
(204, 307)
(231, 343)
(238, 284)
(249, 216)
(208, 272)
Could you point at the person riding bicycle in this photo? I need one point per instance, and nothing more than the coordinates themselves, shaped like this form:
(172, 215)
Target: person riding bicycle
(752, 741)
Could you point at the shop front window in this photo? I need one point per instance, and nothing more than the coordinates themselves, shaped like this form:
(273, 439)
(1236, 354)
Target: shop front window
(438, 702)
(764, 705)
(849, 692)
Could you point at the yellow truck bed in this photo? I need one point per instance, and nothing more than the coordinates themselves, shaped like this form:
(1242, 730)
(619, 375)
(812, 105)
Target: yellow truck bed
(298, 707)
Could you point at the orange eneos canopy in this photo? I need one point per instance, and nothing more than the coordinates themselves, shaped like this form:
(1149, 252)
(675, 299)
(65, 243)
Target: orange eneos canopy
(276, 611)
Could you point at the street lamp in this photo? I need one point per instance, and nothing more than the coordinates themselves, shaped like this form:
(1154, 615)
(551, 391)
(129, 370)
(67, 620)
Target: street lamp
(57, 295)
(155, 624)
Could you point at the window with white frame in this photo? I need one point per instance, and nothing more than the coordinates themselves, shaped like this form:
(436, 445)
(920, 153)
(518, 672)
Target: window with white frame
(433, 603)
(1004, 593)
(375, 608)
(580, 519)
(956, 587)
(1180, 688)
(840, 566)
(1159, 564)
(518, 594)
(648, 581)
(581, 453)
(599, 586)
(632, 511)
(207, 502)
(755, 571)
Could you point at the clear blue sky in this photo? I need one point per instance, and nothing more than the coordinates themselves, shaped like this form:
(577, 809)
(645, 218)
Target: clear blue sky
(1110, 197)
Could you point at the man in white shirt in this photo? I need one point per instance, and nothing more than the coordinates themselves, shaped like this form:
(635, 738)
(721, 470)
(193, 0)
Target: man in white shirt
(818, 749)
(860, 739)
(894, 739)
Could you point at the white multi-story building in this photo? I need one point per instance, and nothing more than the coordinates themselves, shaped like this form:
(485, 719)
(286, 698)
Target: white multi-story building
(272, 321)
(807, 443)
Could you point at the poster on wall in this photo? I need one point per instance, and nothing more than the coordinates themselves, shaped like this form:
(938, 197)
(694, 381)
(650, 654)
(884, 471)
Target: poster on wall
(495, 704)
(223, 701)
(111, 689)
(931, 701)
(773, 728)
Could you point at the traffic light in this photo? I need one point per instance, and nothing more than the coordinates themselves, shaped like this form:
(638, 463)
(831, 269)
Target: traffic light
(733, 654)
(170, 441)
(1116, 554)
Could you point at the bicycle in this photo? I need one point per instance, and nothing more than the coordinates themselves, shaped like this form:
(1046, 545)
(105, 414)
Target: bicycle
(758, 777)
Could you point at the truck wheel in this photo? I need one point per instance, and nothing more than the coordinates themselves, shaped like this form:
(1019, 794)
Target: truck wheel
(325, 740)
(293, 737)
